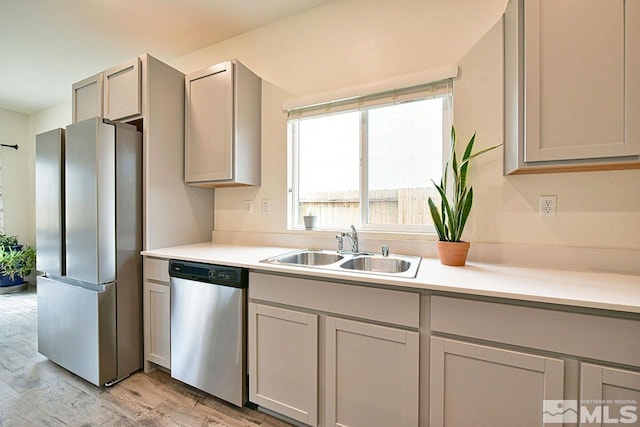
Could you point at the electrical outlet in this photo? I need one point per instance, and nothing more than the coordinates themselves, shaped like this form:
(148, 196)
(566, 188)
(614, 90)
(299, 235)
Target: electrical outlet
(266, 207)
(248, 207)
(548, 206)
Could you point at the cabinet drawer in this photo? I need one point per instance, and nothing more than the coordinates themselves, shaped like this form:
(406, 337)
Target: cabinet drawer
(382, 305)
(156, 269)
(586, 335)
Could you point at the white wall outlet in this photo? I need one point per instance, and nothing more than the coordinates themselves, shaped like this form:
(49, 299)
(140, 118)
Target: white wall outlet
(266, 206)
(548, 206)
(248, 207)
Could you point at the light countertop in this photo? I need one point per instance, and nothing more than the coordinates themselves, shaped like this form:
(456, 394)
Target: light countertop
(609, 291)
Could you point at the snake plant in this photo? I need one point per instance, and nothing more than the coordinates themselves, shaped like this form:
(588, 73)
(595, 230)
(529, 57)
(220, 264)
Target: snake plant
(450, 219)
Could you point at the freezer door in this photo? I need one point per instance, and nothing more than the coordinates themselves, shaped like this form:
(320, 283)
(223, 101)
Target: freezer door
(77, 328)
(90, 201)
(50, 202)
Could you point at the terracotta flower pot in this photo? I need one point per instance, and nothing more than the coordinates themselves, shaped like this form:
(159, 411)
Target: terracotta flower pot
(453, 253)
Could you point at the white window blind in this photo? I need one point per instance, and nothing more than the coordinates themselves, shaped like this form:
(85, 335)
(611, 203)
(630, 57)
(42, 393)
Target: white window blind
(422, 85)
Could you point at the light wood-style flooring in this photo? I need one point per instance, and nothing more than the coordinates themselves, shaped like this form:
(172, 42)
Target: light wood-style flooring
(37, 392)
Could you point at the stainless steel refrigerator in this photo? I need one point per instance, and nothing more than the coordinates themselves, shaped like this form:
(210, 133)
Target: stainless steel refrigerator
(89, 238)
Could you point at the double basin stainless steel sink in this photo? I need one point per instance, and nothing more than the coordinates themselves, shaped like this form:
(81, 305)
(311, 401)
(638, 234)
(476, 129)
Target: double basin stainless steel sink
(405, 266)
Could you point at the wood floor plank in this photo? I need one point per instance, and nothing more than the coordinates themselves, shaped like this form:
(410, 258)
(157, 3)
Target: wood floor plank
(36, 392)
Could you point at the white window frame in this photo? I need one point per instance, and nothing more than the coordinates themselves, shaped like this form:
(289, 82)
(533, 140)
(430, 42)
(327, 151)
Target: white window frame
(442, 89)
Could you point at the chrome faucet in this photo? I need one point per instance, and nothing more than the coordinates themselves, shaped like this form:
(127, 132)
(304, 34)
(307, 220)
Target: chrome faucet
(352, 238)
(340, 244)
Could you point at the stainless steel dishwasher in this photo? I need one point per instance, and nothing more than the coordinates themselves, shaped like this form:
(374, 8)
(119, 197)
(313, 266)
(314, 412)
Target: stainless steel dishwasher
(208, 328)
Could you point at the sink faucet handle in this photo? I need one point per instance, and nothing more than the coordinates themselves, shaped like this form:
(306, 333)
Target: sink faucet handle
(355, 243)
(385, 250)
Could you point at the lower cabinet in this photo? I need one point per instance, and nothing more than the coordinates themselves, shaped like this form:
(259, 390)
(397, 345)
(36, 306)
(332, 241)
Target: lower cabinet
(609, 395)
(371, 375)
(283, 361)
(475, 380)
(485, 386)
(333, 354)
(156, 313)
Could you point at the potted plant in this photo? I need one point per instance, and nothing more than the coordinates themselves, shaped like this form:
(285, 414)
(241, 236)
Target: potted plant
(9, 242)
(16, 261)
(310, 220)
(456, 201)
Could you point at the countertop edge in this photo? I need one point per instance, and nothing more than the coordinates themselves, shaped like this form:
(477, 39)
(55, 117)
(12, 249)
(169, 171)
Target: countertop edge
(597, 290)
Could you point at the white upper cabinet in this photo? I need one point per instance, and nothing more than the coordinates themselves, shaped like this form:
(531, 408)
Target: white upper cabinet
(572, 92)
(222, 126)
(87, 98)
(113, 94)
(122, 90)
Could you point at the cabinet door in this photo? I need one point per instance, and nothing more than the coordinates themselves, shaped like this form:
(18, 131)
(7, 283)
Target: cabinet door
(87, 98)
(157, 318)
(372, 375)
(609, 395)
(122, 89)
(582, 62)
(485, 386)
(209, 124)
(283, 362)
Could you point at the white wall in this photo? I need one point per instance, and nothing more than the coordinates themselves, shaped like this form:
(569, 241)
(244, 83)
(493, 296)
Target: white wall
(595, 209)
(351, 42)
(16, 176)
(336, 45)
(354, 42)
(18, 173)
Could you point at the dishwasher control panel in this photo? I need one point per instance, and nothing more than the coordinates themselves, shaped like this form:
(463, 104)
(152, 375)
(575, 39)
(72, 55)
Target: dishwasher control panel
(224, 274)
(210, 273)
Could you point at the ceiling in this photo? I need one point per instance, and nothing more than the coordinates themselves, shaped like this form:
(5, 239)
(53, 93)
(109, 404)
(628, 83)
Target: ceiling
(49, 44)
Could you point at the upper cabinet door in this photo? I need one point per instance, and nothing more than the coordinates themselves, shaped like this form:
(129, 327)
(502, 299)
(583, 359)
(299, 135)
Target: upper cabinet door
(87, 98)
(223, 105)
(209, 124)
(571, 90)
(582, 91)
(122, 88)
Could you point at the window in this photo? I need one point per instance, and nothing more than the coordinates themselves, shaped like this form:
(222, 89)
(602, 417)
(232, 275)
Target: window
(371, 166)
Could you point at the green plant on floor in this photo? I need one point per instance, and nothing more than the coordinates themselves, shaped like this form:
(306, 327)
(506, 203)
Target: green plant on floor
(16, 260)
(7, 241)
(450, 219)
